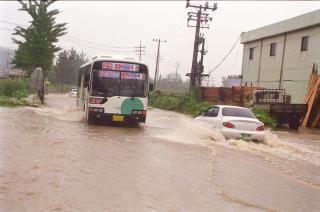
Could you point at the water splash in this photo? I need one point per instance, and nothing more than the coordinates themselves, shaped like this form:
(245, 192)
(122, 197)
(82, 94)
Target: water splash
(69, 113)
(183, 129)
(179, 128)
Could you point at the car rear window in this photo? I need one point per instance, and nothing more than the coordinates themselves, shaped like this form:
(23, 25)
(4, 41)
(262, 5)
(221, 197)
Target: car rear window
(237, 112)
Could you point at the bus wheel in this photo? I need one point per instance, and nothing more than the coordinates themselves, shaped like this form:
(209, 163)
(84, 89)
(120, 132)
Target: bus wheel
(89, 118)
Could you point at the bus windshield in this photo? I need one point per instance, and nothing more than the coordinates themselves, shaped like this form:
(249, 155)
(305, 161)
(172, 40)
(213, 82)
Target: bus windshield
(107, 83)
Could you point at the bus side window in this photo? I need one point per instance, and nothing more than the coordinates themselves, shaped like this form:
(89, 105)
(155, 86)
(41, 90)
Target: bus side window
(80, 78)
(86, 76)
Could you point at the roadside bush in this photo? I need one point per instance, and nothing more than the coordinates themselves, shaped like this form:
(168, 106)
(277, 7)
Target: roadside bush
(16, 88)
(188, 104)
(192, 105)
(264, 116)
(12, 102)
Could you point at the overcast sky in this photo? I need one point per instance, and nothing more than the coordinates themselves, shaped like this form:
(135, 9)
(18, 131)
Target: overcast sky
(124, 24)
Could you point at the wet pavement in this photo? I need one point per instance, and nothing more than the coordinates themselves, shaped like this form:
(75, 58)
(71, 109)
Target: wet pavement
(52, 160)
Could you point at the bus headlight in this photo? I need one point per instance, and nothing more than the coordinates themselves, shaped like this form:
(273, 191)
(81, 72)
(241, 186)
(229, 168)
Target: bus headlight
(139, 112)
(95, 100)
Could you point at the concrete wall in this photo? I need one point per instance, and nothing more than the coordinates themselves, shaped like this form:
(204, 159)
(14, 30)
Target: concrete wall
(297, 65)
(250, 68)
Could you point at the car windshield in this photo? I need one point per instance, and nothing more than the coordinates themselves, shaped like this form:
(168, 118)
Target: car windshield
(237, 112)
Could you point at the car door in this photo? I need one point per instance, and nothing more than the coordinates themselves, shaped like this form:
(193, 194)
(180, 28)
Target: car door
(211, 116)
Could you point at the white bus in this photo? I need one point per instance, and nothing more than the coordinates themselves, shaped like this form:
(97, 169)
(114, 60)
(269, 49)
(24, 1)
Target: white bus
(113, 89)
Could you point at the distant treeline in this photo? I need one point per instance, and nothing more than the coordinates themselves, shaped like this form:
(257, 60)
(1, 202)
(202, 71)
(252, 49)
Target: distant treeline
(67, 65)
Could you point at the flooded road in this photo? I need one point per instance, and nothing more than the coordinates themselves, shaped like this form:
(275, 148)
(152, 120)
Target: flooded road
(52, 160)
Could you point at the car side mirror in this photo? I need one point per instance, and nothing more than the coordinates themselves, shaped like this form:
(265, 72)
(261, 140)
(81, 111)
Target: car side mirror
(150, 87)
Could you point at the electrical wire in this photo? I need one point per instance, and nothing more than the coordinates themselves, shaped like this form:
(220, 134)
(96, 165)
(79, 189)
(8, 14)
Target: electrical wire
(73, 37)
(225, 57)
(174, 34)
(7, 29)
(97, 48)
(235, 59)
(93, 43)
(173, 27)
(12, 23)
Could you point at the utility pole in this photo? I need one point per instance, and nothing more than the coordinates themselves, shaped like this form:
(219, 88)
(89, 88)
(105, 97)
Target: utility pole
(140, 49)
(8, 58)
(177, 67)
(156, 72)
(202, 18)
(203, 52)
(176, 75)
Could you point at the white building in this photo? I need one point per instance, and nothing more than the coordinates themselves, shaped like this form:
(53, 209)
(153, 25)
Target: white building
(281, 55)
(231, 80)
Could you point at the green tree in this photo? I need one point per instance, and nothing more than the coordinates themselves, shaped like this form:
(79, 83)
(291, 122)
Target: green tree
(37, 46)
(67, 66)
(172, 82)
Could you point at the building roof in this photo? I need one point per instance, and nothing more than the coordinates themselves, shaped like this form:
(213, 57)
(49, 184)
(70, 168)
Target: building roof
(293, 24)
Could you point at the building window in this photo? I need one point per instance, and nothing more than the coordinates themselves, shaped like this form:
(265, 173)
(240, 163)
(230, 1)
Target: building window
(273, 48)
(251, 53)
(304, 43)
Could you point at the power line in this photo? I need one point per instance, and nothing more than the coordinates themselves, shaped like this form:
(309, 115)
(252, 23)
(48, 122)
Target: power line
(12, 23)
(73, 37)
(225, 57)
(174, 27)
(175, 33)
(140, 49)
(99, 44)
(235, 58)
(97, 48)
(7, 29)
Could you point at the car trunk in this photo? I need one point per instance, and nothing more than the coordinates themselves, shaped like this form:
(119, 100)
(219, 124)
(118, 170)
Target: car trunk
(246, 124)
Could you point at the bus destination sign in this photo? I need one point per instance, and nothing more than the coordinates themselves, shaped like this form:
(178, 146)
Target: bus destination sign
(120, 66)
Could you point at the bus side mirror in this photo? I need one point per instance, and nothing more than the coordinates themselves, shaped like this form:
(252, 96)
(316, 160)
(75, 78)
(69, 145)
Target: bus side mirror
(150, 87)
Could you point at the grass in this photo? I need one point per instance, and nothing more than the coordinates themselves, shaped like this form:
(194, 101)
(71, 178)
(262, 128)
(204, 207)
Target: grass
(17, 88)
(13, 92)
(12, 102)
(187, 104)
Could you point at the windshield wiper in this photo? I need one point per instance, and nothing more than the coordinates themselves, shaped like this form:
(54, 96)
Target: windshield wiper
(133, 94)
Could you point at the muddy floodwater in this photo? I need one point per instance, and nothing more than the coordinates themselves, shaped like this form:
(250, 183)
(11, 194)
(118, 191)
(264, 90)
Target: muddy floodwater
(52, 160)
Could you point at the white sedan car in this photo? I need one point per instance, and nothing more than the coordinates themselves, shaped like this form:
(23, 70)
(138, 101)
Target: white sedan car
(234, 122)
(73, 92)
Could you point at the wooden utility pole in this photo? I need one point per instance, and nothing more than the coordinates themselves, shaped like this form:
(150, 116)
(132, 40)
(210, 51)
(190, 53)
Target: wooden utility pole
(200, 75)
(141, 50)
(156, 72)
(177, 67)
(202, 18)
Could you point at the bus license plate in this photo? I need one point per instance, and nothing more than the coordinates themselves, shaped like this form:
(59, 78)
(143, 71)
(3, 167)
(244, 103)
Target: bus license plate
(117, 118)
(245, 137)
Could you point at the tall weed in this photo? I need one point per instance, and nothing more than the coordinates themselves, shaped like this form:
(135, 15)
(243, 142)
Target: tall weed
(17, 88)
